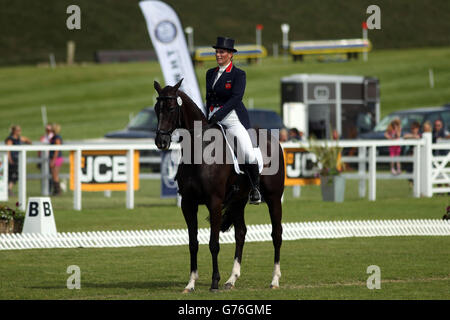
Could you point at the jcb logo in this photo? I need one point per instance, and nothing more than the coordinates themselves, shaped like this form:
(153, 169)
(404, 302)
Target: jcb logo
(104, 170)
(300, 164)
(300, 167)
(33, 209)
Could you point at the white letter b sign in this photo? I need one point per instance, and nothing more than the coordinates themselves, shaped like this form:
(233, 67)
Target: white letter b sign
(39, 217)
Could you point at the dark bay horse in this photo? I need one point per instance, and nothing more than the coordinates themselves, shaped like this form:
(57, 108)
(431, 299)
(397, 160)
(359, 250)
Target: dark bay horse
(217, 186)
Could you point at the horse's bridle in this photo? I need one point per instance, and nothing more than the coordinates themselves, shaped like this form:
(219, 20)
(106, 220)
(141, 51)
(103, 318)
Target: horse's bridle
(169, 132)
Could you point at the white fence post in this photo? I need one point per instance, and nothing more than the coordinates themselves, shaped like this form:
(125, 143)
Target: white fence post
(130, 179)
(22, 180)
(416, 171)
(77, 180)
(362, 171)
(45, 171)
(372, 173)
(427, 165)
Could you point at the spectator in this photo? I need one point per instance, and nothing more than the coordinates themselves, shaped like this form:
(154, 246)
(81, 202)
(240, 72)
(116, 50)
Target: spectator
(414, 134)
(294, 134)
(415, 131)
(393, 132)
(438, 133)
(427, 127)
(45, 139)
(48, 134)
(283, 135)
(56, 159)
(14, 138)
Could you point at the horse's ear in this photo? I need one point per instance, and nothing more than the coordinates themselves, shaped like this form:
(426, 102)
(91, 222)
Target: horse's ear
(178, 84)
(157, 86)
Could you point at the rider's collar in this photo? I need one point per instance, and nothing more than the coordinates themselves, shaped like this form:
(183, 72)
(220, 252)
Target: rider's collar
(226, 68)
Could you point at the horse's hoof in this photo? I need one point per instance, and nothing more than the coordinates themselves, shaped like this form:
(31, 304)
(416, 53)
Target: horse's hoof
(188, 290)
(213, 290)
(274, 287)
(229, 286)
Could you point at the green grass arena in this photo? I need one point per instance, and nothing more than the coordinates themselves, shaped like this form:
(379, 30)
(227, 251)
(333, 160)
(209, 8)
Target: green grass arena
(89, 100)
(411, 267)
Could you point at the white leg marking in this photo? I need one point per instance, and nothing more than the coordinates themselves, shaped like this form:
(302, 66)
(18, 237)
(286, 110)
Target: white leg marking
(191, 285)
(235, 273)
(276, 276)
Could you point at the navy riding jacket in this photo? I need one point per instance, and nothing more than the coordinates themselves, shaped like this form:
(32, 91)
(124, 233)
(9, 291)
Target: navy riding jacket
(227, 93)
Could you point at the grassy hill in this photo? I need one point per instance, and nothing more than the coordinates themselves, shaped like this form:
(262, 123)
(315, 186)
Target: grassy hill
(31, 30)
(90, 100)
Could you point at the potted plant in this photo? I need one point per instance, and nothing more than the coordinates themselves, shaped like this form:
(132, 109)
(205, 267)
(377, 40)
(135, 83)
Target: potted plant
(11, 220)
(328, 161)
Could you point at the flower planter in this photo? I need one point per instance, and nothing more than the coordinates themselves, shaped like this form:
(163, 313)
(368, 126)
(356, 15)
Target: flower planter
(333, 188)
(11, 226)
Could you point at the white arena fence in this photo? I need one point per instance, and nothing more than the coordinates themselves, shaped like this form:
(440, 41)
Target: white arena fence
(431, 172)
(255, 233)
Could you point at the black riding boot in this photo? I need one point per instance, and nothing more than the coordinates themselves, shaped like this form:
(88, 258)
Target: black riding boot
(253, 174)
(56, 189)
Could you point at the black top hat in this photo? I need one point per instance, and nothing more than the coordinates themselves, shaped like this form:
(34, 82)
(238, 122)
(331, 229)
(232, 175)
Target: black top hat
(225, 43)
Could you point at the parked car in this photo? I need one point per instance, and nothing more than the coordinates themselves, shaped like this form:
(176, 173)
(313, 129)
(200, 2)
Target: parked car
(265, 119)
(407, 117)
(144, 124)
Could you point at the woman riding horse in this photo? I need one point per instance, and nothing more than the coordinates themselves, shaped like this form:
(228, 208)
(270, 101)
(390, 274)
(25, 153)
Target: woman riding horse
(216, 184)
(225, 86)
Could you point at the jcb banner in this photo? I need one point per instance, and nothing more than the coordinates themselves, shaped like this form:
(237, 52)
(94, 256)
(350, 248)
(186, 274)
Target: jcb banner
(104, 170)
(169, 42)
(299, 167)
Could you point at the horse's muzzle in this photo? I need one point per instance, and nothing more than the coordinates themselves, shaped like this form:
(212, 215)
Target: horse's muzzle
(162, 141)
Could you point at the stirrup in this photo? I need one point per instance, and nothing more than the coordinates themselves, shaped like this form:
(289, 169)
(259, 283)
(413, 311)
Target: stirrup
(254, 201)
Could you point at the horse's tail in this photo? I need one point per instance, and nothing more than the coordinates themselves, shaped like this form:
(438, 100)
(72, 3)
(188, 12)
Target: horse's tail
(227, 220)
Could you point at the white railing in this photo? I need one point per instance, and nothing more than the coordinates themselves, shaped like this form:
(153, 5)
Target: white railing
(440, 168)
(77, 149)
(367, 155)
(428, 169)
(44, 174)
(255, 233)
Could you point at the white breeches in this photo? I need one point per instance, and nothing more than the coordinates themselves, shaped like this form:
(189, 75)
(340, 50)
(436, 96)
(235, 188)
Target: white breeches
(236, 130)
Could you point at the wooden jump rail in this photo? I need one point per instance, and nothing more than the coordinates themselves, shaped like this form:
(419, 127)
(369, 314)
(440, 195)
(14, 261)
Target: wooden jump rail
(351, 47)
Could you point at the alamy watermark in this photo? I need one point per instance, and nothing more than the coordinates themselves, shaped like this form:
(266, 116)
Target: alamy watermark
(374, 280)
(209, 147)
(74, 20)
(374, 20)
(74, 280)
